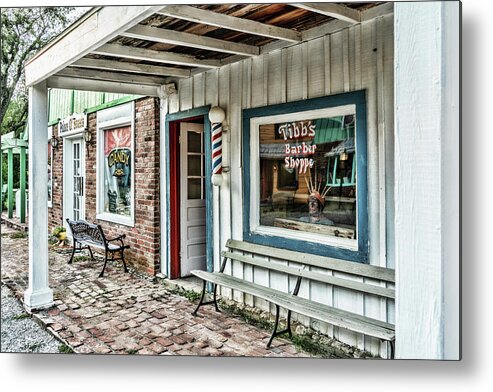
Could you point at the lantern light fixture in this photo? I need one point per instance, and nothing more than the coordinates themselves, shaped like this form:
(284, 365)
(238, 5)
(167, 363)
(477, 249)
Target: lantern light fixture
(87, 136)
(54, 142)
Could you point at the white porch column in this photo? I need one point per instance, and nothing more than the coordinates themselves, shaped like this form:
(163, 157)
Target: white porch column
(38, 295)
(163, 181)
(427, 179)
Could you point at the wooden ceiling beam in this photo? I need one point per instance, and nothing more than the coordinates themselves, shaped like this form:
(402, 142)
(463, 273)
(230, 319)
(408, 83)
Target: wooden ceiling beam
(229, 22)
(130, 52)
(334, 10)
(111, 65)
(179, 38)
(94, 29)
(104, 86)
(111, 76)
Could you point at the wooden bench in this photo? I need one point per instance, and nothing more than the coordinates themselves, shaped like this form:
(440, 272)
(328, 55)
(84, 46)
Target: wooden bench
(244, 252)
(87, 235)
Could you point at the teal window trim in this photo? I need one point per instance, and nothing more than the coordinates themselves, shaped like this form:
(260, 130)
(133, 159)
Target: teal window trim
(357, 98)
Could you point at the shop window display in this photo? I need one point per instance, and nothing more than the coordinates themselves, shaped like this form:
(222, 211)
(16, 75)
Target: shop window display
(308, 175)
(118, 171)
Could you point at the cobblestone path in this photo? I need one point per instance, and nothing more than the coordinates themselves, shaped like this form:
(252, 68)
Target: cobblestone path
(126, 314)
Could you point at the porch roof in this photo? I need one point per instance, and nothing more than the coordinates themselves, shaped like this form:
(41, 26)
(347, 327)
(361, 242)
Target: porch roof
(135, 49)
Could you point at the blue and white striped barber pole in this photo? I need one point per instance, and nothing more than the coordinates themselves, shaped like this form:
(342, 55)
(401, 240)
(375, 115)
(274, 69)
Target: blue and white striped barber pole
(216, 116)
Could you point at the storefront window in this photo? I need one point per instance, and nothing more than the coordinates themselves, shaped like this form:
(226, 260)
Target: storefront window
(118, 171)
(307, 179)
(304, 188)
(115, 164)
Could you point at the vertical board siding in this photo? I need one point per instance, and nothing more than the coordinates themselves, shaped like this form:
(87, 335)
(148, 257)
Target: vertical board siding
(60, 101)
(59, 104)
(355, 58)
(86, 99)
(316, 76)
(274, 72)
(198, 87)
(336, 64)
(294, 78)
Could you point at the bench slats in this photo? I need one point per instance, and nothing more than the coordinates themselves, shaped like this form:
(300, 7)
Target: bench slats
(326, 313)
(369, 271)
(349, 284)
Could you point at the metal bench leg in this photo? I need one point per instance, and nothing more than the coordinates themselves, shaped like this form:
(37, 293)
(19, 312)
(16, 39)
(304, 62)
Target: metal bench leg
(274, 332)
(104, 266)
(73, 253)
(201, 298)
(123, 260)
(290, 333)
(90, 252)
(215, 298)
(214, 301)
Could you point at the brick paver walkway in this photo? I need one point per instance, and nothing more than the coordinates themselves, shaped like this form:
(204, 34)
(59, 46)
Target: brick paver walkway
(122, 313)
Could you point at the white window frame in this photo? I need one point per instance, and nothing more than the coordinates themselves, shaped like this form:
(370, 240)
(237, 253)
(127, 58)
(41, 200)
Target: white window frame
(255, 226)
(50, 135)
(118, 116)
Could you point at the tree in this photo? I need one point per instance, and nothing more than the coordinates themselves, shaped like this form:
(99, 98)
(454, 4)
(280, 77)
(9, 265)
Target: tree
(24, 31)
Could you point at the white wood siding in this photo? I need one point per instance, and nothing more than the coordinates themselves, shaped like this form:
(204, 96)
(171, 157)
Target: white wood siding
(358, 57)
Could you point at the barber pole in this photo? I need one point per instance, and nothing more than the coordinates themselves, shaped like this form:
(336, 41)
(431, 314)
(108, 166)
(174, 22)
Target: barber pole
(216, 116)
(217, 148)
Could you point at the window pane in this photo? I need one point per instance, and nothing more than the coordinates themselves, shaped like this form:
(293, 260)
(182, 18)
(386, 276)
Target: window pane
(194, 142)
(308, 176)
(194, 188)
(194, 165)
(118, 171)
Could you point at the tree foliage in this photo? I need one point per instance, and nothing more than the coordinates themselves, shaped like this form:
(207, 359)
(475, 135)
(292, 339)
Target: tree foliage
(24, 31)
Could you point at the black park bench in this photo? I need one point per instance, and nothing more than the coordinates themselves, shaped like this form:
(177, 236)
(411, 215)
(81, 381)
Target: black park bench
(86, 235)
(243, 252)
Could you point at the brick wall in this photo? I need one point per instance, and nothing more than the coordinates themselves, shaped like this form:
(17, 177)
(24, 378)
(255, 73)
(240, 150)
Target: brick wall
(55, 213)
(144, 237)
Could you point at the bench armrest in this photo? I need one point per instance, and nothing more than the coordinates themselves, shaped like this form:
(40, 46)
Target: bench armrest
(120, 237)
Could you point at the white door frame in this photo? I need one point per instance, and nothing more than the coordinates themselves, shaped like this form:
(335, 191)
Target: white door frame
(185, 203)
(68, 176)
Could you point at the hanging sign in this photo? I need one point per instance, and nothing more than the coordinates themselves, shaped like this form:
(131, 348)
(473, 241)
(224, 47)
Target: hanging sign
(71, 125)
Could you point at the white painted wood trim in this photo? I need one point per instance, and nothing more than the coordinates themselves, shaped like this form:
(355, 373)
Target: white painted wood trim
(163, 194)
(130, 52)
(50, 135)
(334, 10)
(38, 293)
(94, 31)
(230, 22)
(172, 37)
(68, 175)
(111, 65)
(122, 115)
(255, 225)
(427, 242)
(111, 76)
(70, 83)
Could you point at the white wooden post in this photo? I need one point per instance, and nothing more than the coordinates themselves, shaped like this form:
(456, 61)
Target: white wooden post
(163, 200)
(39, 294)
(427, 40)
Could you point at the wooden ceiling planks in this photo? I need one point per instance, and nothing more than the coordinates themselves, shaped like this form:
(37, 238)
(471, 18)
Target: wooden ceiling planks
(279, 15)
